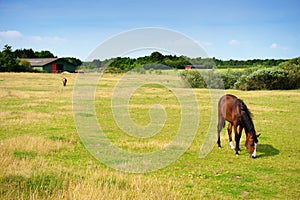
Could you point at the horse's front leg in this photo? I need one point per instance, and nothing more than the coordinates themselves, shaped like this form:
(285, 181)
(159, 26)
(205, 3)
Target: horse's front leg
(229, 129)
(237, 140)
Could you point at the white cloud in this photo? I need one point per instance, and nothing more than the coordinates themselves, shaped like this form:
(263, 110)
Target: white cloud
(10, 35)
(16, 37)
(234, 42)
(273, 46)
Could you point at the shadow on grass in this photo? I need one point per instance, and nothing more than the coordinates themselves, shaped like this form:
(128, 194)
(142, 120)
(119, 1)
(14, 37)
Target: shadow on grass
(266, 150)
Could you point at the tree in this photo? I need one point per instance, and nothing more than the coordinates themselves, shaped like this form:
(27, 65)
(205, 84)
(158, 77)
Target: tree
(24, 66)
(74, 61)
(97, 63)
(44, 54)
(8, 60)
(29, 53)
(156, 57)
(24, 53)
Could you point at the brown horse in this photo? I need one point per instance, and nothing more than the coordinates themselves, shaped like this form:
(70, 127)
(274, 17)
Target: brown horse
(235, 111)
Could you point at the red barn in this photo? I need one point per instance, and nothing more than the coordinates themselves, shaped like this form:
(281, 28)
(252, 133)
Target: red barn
(50, 65)
(188, 67)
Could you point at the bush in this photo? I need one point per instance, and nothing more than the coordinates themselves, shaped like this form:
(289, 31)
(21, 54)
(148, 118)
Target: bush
(24, 66)
(113, 70)
(139, 70)
(285, 76)
(292, 68)
(212, 79)
(231, 77)
(270, 79)
(203, 79)
(194, 78)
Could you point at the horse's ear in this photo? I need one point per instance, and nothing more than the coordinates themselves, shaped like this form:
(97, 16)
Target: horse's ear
(257, 135)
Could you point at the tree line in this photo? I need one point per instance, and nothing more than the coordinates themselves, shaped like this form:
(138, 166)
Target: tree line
(10, 60)
(156, 59)
(254, 62)
(124, 64)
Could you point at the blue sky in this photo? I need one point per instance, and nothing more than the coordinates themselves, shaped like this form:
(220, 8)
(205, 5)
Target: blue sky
(236, 29)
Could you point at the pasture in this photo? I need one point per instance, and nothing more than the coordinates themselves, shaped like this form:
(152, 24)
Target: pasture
(42, 156)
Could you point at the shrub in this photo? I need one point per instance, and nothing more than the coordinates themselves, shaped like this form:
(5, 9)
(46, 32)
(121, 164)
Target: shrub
(241, 84)
(231, 77)
(292, 68)
(271, 79)
(139, 70)
(194, 78)
(113, 70)
(203, 79)
(212, 79)
(24, 66)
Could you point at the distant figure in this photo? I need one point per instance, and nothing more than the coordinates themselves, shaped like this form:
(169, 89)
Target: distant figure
(64, 81)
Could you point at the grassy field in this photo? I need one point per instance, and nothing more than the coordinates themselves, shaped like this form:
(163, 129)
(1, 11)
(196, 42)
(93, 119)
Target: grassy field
(42, 157)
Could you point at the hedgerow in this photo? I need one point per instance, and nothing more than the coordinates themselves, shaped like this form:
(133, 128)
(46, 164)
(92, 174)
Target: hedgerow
(283, 77)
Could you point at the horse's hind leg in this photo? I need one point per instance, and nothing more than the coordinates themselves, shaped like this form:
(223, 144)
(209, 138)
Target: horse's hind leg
(221, 124)
(229, 129)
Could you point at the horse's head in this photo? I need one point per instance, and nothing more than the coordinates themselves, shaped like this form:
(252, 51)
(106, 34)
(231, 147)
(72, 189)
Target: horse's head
(251, 144)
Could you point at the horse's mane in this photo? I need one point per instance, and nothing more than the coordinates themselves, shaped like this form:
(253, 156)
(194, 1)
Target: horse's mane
(247, 118)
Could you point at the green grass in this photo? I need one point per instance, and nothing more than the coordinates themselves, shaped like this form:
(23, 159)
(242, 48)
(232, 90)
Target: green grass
(24, 154)
(42, 157)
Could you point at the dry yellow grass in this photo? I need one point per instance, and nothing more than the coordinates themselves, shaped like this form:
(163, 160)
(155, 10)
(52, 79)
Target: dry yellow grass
(24, 155)
(42, 157)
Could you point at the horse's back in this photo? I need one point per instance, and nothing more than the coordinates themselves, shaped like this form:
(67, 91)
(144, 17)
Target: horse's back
(227, 101)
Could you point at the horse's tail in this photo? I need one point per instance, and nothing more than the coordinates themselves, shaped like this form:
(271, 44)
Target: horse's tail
(221, 120)
(221, 123)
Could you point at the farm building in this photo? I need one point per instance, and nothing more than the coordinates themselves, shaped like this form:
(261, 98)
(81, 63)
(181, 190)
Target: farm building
(50, 65)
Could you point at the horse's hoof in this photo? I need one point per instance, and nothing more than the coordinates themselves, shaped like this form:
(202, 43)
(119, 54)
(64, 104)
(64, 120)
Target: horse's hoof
(219, 147)
(236, 154)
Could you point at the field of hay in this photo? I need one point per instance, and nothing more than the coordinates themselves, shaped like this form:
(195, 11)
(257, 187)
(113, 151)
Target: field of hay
(42, 156)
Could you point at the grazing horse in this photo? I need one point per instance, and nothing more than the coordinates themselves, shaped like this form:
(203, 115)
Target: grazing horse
(235, 111)
(64, 81)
